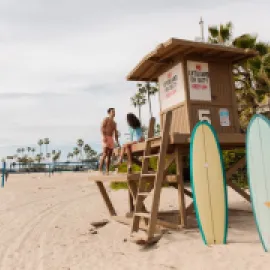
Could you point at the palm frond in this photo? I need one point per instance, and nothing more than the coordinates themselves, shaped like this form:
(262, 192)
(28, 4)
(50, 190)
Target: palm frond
(213, 31)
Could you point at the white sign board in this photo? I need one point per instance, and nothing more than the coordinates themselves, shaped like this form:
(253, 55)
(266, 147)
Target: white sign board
(199, 81)
(171, 87)
(224, 117)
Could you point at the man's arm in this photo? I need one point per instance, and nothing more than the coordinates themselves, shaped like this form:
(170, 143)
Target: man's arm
(103, 127)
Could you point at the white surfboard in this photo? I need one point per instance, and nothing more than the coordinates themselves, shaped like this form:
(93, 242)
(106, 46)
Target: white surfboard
(208, 184)
(258, 167)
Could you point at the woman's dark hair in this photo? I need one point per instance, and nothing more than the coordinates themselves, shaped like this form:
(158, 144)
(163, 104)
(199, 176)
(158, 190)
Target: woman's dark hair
(133, 121)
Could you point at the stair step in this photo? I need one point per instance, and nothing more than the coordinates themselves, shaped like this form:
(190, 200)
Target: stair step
(143, 194)
(150, 156)
(153, 138)
(143, 215)
(149, 175)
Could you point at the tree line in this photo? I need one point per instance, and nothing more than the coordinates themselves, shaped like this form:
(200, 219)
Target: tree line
(27, 155)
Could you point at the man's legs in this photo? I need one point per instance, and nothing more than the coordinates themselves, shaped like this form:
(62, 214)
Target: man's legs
(109, 156)
(102, 159)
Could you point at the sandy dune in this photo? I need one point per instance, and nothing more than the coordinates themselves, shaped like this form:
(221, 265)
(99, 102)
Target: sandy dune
(45, 224)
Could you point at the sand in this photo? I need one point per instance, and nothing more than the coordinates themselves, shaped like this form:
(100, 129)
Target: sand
(45, 224)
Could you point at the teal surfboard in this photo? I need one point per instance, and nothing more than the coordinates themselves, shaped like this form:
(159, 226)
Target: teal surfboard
(258, 167)
(208, 184)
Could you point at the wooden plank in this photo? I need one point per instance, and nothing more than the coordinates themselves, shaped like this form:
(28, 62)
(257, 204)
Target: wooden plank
(131, 201)
(133, 189)
(179, 105)
(106, 198)
(233, 169)
(119, 177)
(181, 194)
(239, 190)
(190, 209)
(139, 207)
(187, 91)
(227, 141)
(132, 177)
(188, 193)
(169, 225)
(128, 221)
(162, 223)
(169, 162)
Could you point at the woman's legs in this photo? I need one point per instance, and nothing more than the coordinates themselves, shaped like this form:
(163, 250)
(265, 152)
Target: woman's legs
(129, 155)
(123, 149)
(126, 148)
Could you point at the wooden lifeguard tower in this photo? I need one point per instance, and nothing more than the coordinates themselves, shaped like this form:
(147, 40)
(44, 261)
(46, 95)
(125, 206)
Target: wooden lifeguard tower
(195, 83)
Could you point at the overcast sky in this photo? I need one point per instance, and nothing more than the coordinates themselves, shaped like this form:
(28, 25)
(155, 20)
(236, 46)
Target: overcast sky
(63, 63)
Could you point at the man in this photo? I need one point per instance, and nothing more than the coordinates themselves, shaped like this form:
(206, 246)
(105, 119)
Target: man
(108, 129)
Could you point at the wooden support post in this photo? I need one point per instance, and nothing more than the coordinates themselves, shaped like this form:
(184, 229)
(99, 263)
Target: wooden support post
(106, 198)
(169, 162)
(239, 190)
(160, 173)
(180, 182)
(133, 190)
(188, 193)
(239, 164)
(190, 209)
(131, 202)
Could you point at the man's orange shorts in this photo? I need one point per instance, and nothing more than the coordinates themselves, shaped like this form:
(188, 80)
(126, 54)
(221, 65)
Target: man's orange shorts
(109, 142)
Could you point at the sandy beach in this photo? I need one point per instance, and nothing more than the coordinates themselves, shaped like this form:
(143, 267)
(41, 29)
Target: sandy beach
(45, 225)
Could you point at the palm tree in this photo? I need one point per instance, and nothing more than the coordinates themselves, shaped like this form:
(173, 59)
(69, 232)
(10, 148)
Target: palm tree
(220, 34)
(71, 155)
(138, 100)
(40, 143)
(76, 152)
(18, 151)
(56, 156)
(46, 142)
(86, 149)
(38, 158)
(22, 150)
(148, 90)
(157, 130)
(252, 78)
(80, 144)
(33, 151)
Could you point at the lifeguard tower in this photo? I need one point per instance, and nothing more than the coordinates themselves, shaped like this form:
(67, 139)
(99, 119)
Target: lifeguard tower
(195, 83)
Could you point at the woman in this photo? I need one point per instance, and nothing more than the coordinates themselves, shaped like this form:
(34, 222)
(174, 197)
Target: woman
(136, 135)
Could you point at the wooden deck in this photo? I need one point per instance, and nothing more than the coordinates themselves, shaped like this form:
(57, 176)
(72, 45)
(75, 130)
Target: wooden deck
(227, 141)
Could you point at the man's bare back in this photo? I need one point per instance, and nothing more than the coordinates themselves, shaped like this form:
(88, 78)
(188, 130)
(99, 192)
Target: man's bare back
(108, 127)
